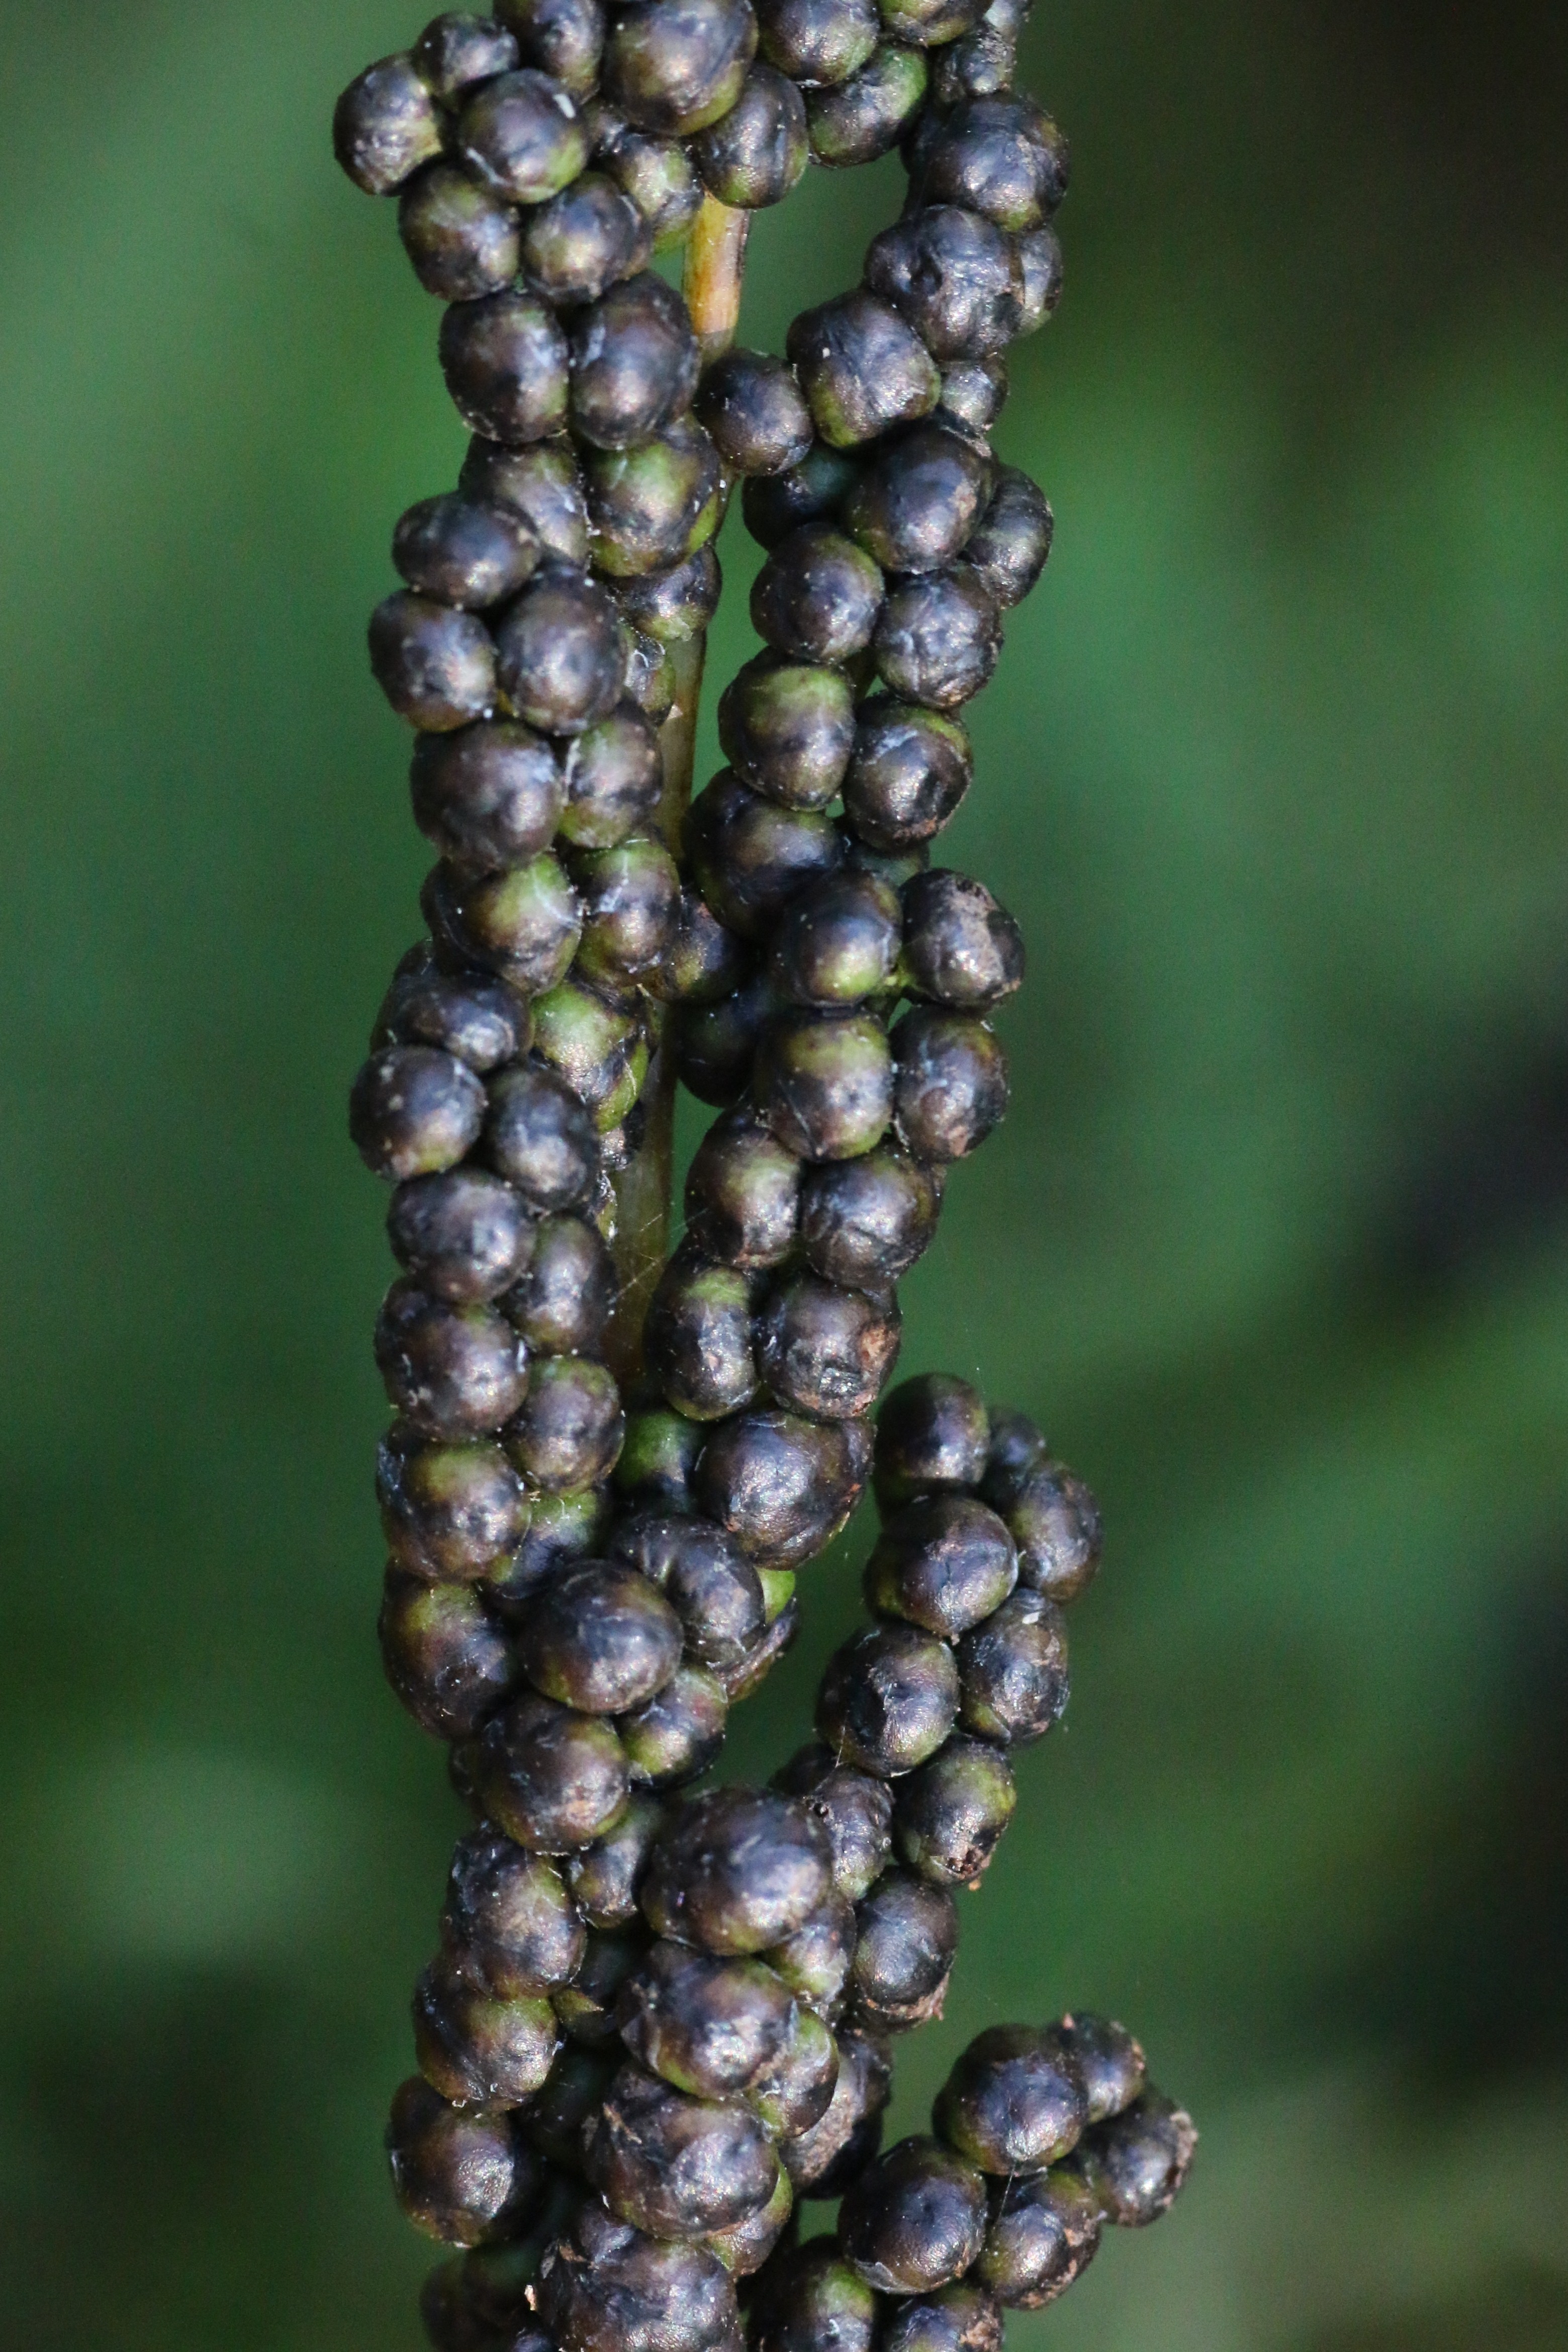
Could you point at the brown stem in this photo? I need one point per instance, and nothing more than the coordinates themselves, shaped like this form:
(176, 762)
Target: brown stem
(716, 263)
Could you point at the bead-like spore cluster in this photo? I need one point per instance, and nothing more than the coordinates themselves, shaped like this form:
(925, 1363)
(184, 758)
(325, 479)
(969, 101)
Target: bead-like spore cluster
(658, 2020)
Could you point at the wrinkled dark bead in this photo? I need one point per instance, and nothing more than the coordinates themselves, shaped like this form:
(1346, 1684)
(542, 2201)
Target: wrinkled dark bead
(823, 2159)
(658, 177)
(465, 1233)
(447, 1510)
(385, 126)
(508, 1916)
(488, 796)
(980, 64)
(797, 2090)
(855, 1808)
(676, 604)
(445, 1658)
(754, 153)
(582, 242)
(745, 2245)
(568, 1432)
(755, 412)
(736, 1870)
(824, 1351)
(631, 902)
(787, 730)
(742, 1193)
(818, 597)
(1015, 2101)
(908, 1936)
(540, 1138)
(838, 942)
(824, 1082)
(937, 638)
(950, 1083)
(600, 1639)
(960, 948)
(589, 2005)
(658, 1459)
(783, 1486)
(564, 39)
(1042, 2234)
(456, 1371)
(949, 1817)
(462, 239)
(572, 2093)
(415, 1111)
(598, 1047)
(697, 1340)
(604, 1878)
(470, 1015)
(1055, 1522)
(1141, 2160)
(961, 2317)
(523, 137)
(750, 856)
(553, 1779)
(864, 1223)
(1007, 550)
(478, 2047)
(613, 778)
(815, 1961)
(651, 507)
(674, 1736)
(561, 1528)
(675, 65)
(463, 553)
(1110, 2063)
(505, 362)
(541, 484)
(712, 1588)
(865, 115)
(559, 653)
(458, 2176)
(944, 1562)
(715, 1045)
(913, 508)
(708, 2026)
(435, 666)
(908, 772)
(455, 50)
(932, 1436)
(1012, 1671)
(1017, 1446)
(633, 361)
(862, 368)
(673, 2166)
(811, 491)
(562, 1301)
(888, 1698)
(813, 2301)
(522, 924)
(974, 392)
(914, 2220)
(818, 42)
(609, 2288)
(1002, 157)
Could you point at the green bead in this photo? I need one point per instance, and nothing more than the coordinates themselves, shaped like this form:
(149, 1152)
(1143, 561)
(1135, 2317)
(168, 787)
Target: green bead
(655, 505)
(577, 247)
(697, 1337)
(839, 942)
(674, 1736)
(568, 1434)
(949, 1816)
(865, 116)
(754, 154)
(523, 925)
(462, 239)
(787, 730)
(522, 137)
(824, 1083)
(486, 2050)
(600, 1052)
(675, 65)
(658, 1459)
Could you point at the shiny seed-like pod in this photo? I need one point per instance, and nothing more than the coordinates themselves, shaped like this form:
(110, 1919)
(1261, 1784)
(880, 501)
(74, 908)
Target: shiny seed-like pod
(825, 2158)
(942, 1563)
(465, 1233)
(1008, 549)
(652, 506)
(1141, 2160)
(824, 1083)
(862, 368)
(454, 1372)
(562, 1301)
(787, 730)
(604, 1878)
(960, 948)
(458, 2176)
(888, 1698)
(736, 1870)
(908, 1936)
(480, 2048)
(824, 1351)
(780, 1485)
(675, 65)
(541, 1138)
(559, 655)
(1013, 1672)
(415, 1111)
(505, 362)
(1042, 2233)
(552, 1780)
(600, 1639)
(933, 1435)
(1002, 157)
(675, 1736)
(1110, 2063)
(796, 2091)
(815, 1961)
(1015, 2102)
(612, 780)
(462, 239)
(818, 42)
(818, 597)
(698, 1337)
(854, 1808)
(706, 2025)
(949, 1817)
(750, 856)
(634, 363)
(658, 177)
(908, 772)
(386, 124)
(937, 638)
(464, 552)
(955, 277)
(950, 1083)
(568, 1434)
(489, 797)
(865, 115)
(754, 154)
(522, 136)
(743, 1194)
(864, 1223)
(915, 506)
(471, 1015)
(838, 942)
(448, 1511)
(914, 2220)
(1055, 1522)
(564, 39)
(448, 1662)
(715, 1591)
(435, 666)
(673, 2166)
(541, 483)
(507, 1914)
(606, 2287)
(755, 411)
(811, 491)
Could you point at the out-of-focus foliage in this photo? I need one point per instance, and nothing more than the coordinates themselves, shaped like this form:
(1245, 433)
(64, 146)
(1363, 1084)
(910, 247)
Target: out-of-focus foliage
(1274, 777)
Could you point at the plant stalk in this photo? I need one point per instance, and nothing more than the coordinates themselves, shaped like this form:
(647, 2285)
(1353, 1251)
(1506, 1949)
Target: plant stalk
(714, 265)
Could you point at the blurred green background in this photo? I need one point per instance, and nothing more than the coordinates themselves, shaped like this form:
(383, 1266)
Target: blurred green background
(1274, 1242)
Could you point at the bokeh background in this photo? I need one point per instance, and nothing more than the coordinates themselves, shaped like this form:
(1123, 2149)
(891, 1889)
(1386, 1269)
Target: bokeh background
(1274, 1242)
